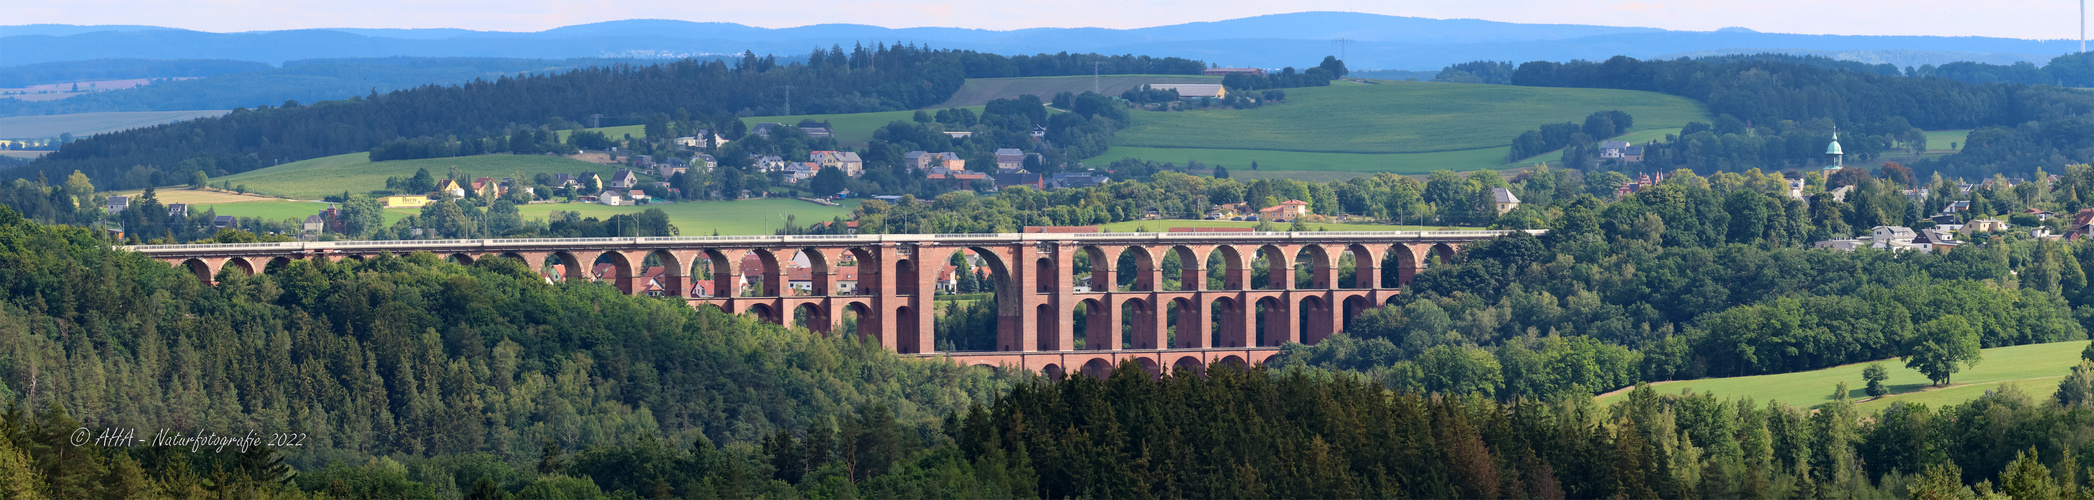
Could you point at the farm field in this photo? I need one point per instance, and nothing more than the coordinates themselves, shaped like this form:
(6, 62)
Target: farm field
(1940, 139)
(979, 91)
(1400, 117)
(197, 196)
(1284, 163)
(852, 128)
(615, 133)
(2036, 369)
(1164, 225)
(700, 218)
(86, 124)
(1377, 128)
(355, 173)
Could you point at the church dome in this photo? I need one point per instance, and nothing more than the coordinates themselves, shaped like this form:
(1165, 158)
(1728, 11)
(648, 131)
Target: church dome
(1834, 148)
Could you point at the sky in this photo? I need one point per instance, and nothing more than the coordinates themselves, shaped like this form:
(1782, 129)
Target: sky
(2031, 19)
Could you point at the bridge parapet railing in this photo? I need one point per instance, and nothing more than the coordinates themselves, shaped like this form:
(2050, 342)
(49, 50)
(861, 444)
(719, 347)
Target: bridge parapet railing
(816, 238)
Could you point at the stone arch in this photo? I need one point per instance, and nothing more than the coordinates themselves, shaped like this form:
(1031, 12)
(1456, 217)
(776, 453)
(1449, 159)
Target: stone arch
(1149, 365)
(1273, 322)
(1192, 272)
(568, 266)
(619, 274)
(1047, 331)
(1044, 278)
(1226, 261)
(1399, 264)
(238, 263)
(1143, 269)
(1189, 365)
(866, 264)
(1319, 266)
(1098, 368)
(719, 269)
(771, 274)
(764, 312)
(1315, 313)
(1443, 252)
(201, 269)
(1278, 275)
(673, 276)
(460, 258)
(1139, 316)
(812, 317)
(1354, 307)
(820, 273)
(1232, 360)
(1088, 266)
(1097, 328)
(1363, 266)
(1052, 372)
(1187, 328)
(1227, 317)
(905, 340)
(905, 277)
(276, 264)
(861, 315)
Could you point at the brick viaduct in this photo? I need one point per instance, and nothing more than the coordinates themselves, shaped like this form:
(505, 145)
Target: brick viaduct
(1038, 277)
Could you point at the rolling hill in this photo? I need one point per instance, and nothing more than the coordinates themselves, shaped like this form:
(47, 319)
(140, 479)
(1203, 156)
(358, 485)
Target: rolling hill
(2035, 369)
(1402, 127)
(86, 124)
(1270, 41)
(355, 173)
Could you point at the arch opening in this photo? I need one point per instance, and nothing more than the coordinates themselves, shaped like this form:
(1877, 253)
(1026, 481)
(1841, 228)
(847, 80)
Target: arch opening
(1312, 269)
(200, 269)
(1188, 366)
(1138, 325)
(811, 317)
(1315, 323)
(1097, 368)
(1134, 270)
(1269, 269)
(1183, 271)
(1226, 269)
(1226, 317)
(1187, 331)
(1274, 324)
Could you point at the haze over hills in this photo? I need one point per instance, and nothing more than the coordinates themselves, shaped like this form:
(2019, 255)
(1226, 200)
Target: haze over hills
(1298, 39)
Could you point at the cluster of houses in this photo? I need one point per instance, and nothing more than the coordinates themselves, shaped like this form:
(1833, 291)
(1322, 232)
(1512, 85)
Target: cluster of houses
(118, 204)
(1286, 211)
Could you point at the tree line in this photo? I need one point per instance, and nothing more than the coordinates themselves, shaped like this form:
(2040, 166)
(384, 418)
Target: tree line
(832, 81)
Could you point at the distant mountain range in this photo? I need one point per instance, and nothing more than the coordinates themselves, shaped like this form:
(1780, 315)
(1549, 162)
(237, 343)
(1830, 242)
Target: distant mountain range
(1272, 41)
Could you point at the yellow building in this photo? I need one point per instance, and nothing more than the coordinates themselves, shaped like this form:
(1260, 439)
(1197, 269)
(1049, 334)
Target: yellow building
(405, 201)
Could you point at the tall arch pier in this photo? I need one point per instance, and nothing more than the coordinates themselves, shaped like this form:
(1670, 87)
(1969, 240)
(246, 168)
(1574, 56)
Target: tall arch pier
(1065, 303)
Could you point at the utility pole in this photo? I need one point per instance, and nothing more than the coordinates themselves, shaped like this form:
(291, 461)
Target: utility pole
(596, 120)
(788, 100)
(1343, 41)
(1094, 76)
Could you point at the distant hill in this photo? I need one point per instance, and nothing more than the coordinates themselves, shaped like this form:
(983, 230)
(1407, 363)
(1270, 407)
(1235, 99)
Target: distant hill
(1272, 41)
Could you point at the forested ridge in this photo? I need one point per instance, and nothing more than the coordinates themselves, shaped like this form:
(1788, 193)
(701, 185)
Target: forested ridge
(881, 78)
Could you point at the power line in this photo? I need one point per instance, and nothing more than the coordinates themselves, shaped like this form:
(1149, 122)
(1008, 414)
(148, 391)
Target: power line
(1343, 41)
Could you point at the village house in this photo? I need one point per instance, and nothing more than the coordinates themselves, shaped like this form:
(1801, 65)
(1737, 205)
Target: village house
(1504, 200)
(923, 160)
(846, 161)
(768, 163)
(801, 280)
(1985, 225)
(1285, 211)
(487, 188)
(668, 170)
(1231, 211)
(117, 204)
(611, 198)
(704, 161)
(801, 170)
(224, 222)
(624, 179)
(1010, 159)
(958, 134)
(178, 210)
(314, 224)
(819, 132)
(698, 141)
(764, 128)
(450, 187)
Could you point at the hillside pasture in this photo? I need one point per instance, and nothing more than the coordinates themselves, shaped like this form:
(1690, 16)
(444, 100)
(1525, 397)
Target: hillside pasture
(853, 129)
(979, 91)
(355, 173)
(702, 218)
(2035, 369)
(1271, 163)
(1400, 117)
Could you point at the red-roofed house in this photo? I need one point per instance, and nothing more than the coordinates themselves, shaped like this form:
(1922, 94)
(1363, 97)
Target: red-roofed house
(1285, 211)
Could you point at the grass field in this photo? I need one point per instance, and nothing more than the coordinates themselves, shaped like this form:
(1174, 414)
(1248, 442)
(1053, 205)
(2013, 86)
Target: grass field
(86, 124)
(2036, 369)
(355, 173)
(739, 217)
(1282, 163)
(851, 128)
(195, 196)
(979, 91)
(615, 133)
(1164, 225)
(1940, 139)
(1403, 127)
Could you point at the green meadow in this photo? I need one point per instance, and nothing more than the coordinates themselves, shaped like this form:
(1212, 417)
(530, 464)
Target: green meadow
(2034, 369)
(700, 218)
(355, 173)
(1165, 225)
